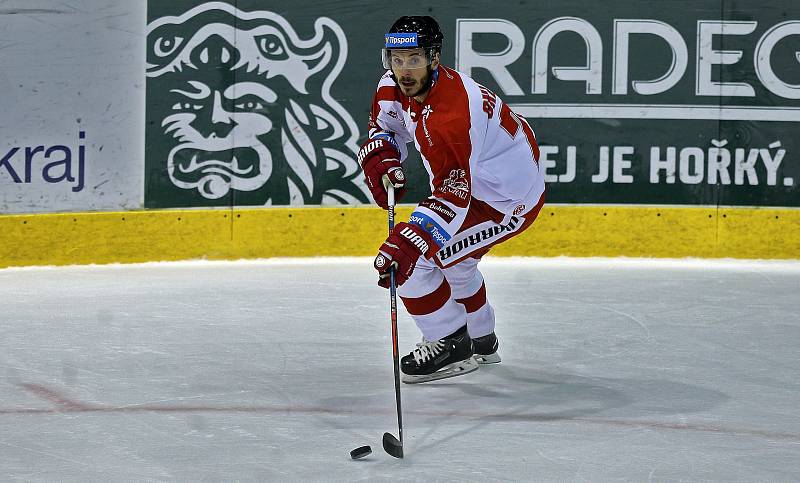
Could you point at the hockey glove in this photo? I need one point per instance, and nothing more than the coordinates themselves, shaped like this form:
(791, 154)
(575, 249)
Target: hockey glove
(401, 250)
(380, 159)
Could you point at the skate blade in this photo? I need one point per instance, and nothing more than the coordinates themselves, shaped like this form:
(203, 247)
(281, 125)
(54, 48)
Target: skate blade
(487, 358)
(454, 369)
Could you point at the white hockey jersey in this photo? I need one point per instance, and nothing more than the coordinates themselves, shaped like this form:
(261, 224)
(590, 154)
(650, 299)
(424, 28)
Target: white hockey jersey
(472, 145)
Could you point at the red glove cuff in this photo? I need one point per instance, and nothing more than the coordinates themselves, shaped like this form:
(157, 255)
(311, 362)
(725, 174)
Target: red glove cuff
(374, 150)
(378, 158)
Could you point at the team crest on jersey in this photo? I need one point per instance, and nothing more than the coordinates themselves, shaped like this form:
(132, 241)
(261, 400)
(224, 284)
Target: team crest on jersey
(457, 184)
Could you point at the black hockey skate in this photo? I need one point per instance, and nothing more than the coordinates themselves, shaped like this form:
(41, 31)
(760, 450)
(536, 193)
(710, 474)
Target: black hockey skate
(485, 349)
(439, 359)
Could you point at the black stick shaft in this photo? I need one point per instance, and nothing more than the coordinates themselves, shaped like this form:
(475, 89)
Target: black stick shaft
(393, 305)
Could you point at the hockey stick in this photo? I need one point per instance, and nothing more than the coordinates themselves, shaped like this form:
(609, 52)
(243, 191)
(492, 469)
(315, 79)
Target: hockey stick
(392, 445)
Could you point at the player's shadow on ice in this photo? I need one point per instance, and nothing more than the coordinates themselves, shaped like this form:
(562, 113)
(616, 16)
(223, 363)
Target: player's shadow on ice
(507, 393)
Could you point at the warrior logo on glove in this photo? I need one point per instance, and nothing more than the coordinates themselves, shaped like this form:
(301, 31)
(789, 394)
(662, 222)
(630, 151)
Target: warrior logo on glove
(402, 249)
(381, 159)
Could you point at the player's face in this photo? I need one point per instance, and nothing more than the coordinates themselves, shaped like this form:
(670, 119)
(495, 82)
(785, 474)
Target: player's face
(411, 69)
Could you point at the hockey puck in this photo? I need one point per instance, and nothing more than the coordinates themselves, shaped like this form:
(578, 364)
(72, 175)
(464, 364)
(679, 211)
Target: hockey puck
(359, 453)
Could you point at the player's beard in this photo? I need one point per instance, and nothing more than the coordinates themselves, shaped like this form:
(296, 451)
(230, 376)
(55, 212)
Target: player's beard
(425, 84)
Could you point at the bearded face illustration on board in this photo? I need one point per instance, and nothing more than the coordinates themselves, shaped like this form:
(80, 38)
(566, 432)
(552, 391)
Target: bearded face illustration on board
(240, 112)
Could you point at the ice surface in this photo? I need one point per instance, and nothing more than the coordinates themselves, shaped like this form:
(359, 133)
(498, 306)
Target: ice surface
(624, 370)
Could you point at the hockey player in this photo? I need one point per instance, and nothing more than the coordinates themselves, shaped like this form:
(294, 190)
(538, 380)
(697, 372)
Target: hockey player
(486, 186)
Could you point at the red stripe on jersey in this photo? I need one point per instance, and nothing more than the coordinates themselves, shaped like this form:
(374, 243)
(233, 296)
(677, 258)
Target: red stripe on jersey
(428, 304)
(480, 211)
(510, 121)
(386, 93)
(474, 302)
(531, 140)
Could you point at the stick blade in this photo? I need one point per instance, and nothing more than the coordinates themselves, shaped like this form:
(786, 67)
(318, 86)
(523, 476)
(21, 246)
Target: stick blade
(392, 446)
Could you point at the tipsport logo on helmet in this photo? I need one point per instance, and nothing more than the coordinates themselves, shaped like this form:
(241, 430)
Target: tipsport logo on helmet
(397, 40)
(239, 110)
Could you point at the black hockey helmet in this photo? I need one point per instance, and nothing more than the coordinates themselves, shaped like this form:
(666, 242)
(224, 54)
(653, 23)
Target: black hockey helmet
(427, 29)
(410, 32)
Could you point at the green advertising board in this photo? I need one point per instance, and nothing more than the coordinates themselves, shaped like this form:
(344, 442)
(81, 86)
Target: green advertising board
(687, 102)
